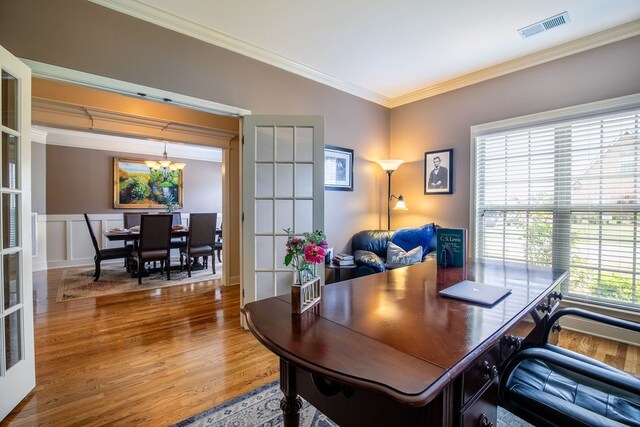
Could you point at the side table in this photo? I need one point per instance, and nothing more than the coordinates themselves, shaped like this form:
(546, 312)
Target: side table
(337, 269)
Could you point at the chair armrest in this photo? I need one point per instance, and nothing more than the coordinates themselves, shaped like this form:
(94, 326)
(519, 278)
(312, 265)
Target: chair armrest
(620, 380)
(613, 321)
(369, 259)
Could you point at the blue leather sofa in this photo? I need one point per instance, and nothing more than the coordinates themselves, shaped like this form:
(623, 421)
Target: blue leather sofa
(370, 246)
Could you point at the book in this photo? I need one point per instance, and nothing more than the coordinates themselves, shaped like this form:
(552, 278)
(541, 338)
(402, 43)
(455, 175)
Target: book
(343, 256)
(451, 246)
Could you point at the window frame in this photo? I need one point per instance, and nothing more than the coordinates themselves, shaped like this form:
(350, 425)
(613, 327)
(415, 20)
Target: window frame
(552, 117)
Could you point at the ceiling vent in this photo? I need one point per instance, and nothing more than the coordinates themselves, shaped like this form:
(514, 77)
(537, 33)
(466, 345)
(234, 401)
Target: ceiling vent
(544, 25)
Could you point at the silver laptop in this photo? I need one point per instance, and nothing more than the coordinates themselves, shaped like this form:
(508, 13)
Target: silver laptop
(479, 293)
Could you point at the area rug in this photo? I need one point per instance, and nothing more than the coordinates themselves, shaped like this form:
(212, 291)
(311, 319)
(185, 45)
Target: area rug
(78, 282)
(261, 408)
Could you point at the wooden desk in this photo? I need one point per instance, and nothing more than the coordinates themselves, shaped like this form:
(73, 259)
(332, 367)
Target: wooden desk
(386, 349)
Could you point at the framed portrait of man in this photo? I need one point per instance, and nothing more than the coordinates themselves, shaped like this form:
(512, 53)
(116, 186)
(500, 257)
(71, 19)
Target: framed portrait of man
(438, 172)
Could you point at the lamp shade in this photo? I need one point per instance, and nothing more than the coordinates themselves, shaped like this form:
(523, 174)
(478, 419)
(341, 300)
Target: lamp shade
(389, 165)
(400, 204)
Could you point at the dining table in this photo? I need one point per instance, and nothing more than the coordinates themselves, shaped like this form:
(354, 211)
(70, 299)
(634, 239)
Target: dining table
(127, 235)
(123, 234)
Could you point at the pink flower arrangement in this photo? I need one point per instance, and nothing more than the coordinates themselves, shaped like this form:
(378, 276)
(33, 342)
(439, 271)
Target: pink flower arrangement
(305, 253)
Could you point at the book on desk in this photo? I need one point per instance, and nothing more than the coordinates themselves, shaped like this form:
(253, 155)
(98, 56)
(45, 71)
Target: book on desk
(451, 246)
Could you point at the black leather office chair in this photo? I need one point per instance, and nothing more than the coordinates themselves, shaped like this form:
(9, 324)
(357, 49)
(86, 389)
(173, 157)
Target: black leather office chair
(550, 386)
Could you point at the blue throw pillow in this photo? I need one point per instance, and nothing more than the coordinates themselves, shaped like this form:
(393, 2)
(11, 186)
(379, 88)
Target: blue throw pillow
(409, 238)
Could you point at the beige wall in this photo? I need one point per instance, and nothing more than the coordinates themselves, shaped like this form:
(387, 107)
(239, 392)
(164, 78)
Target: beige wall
(80, 180)
(80, 35)
(444, 121)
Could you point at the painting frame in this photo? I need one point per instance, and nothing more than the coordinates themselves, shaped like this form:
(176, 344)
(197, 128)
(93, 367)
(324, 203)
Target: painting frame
(438, 179)
(338, 168)
(122, 166)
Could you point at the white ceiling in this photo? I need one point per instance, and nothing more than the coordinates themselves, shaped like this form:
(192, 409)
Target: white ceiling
(393, 52)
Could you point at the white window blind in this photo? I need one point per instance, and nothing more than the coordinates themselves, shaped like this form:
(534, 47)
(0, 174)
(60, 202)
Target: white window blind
(565, 194)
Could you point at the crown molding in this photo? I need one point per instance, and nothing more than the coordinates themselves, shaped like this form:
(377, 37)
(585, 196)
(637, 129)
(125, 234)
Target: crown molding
(200, 32)
(602, 38)
(66, 75)
(39, 136)
(148, 147)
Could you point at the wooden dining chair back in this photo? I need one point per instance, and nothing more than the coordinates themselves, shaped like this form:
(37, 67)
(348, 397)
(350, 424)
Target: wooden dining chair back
(201, 239)
(154, 243)
(103, 254)
(132, 219)
(218, 245)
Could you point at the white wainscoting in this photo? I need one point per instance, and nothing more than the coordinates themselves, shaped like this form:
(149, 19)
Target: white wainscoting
(64, 241)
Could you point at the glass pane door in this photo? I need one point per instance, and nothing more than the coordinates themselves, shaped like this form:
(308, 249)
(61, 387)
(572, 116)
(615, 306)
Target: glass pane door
(283, 188)
(17, 368)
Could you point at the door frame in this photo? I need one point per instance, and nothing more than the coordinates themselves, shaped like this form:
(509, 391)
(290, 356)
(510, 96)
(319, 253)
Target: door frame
(229, 216)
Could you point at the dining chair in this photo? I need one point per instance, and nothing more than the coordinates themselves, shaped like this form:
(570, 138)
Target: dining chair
(200, 240)
(218, 245)
(154, 243)
(131, 219)
(104, 254)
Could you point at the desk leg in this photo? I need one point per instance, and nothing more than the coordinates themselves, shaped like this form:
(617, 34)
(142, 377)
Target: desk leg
(291, 402)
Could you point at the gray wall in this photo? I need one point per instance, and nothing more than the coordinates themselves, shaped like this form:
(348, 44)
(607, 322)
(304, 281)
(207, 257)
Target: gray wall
(444, 121)
(80, 180)
(83, 36)
(38, 178)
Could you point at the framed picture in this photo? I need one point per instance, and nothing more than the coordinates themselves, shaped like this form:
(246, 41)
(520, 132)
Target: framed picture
(135, 186)
(438, 172)
(338, 168)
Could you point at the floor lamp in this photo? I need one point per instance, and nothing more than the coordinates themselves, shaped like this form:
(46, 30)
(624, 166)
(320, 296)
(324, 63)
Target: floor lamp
(389, 166)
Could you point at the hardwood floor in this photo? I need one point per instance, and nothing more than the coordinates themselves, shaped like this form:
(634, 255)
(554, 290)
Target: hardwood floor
(143, 358)
(157, 357)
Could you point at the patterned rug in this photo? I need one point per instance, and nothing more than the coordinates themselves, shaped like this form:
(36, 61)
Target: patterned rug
(78, 282)
(261, 408)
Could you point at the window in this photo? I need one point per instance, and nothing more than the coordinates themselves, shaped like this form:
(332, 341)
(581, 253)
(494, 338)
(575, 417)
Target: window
(562, 189)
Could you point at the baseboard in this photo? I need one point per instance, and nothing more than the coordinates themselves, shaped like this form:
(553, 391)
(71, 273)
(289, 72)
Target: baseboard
(233, 280)
(597, 329)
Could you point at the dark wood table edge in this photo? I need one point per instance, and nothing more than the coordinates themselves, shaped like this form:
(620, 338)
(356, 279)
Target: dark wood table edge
(419, 399)
(289, 362)
(467, 360)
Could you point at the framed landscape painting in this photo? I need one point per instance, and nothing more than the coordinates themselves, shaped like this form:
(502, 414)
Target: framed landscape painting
(338, 168)
(438, 172)
(135, 186)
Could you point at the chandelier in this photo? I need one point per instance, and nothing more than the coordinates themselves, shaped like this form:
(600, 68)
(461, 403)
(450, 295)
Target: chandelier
(165, 165)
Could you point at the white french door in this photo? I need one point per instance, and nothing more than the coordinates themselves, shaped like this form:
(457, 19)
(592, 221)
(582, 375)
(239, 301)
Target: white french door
(17, 362)
(282, 187)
